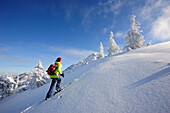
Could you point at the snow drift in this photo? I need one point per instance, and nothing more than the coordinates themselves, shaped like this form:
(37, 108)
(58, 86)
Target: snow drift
(130, 82)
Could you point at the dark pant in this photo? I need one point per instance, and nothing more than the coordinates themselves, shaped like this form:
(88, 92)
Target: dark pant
(52, 86)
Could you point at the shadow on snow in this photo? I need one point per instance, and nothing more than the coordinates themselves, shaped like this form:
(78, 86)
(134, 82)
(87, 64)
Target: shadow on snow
(162, 73)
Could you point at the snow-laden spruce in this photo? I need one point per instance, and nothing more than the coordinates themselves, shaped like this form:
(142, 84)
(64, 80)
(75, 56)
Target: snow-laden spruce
(113, 47)
(101, 51)
(7, 84)
(134, 39)
(33, 79)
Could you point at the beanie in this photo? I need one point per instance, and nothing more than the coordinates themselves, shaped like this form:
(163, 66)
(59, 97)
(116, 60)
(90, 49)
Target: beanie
(59, 59)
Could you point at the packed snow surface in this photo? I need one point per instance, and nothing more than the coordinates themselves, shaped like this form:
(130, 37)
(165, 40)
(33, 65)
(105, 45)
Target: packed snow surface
(136, 81)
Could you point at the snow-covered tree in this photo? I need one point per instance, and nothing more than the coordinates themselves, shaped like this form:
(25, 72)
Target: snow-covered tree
(101, 51)
(6, 86)
(38, 76)
(113, 47)
(149, 43)
(17, 82)
(39, 65)
(37, 80)
(134, 39)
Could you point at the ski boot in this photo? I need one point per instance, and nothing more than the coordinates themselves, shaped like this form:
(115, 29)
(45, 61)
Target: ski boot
(57, 90)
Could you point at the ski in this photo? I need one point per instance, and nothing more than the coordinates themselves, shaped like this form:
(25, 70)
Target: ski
(59, 91)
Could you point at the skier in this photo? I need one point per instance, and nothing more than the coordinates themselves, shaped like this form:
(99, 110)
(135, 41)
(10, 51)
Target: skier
(55, 78)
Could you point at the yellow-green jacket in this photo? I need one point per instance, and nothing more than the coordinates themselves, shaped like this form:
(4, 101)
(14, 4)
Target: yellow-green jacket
(57, 70)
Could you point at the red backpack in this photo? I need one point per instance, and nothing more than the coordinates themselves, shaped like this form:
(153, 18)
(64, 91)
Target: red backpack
(51, 69)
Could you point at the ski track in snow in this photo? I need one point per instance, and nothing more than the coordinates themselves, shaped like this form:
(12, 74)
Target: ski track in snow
(130, 82)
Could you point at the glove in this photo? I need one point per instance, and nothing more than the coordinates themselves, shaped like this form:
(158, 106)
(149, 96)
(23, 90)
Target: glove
(62, 75)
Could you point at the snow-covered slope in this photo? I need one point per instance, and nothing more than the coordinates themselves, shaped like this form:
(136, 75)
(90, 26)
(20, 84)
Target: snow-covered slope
(131, 82)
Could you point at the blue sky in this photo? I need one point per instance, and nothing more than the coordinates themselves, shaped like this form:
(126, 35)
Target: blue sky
(72, 29)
